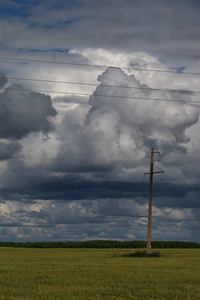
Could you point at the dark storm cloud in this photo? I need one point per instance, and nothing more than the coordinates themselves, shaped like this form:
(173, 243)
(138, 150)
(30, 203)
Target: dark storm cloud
(33, 185)
(22, 114)
(71, 187)
(3, 79)
(77, 189)
(7, 150)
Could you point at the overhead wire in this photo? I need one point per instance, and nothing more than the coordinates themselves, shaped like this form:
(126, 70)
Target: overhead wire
(102, 85)
(98, 66)
(81, 159)
(101, 95)
(61, 179)
(105, 85)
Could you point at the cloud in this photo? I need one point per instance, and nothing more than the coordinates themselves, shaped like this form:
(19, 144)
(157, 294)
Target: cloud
(3, 80)
(23, 113)
(83, 180)
(7, 150)
(167, 27)
(149, 120)
(97, 219)
(123, 123)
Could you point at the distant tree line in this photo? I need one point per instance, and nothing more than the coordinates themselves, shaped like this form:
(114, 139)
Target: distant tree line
(100, 244)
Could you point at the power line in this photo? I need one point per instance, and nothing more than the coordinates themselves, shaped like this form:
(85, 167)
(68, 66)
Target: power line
(62, 179)
(55, 62)
(106, 96)
(81, 159)
(102, 85)
(98, 66)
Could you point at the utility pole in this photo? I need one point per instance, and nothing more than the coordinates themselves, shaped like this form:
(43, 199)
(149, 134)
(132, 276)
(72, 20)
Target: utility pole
(150, 200)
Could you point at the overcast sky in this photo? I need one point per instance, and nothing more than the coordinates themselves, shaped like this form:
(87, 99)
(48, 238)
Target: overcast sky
(87, 89)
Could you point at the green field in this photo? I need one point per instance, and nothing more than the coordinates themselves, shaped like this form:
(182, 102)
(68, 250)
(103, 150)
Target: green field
(98, 274)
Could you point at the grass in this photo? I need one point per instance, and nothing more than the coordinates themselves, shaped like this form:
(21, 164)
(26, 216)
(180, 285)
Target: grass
(98, 274)
(142, 253)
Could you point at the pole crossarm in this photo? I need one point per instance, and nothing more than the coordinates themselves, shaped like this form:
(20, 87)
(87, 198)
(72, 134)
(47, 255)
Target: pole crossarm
(154, 172)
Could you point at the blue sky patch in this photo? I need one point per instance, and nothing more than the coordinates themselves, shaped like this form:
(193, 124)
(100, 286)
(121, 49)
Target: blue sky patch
(179, 69)
(50, 50)
(10, 12)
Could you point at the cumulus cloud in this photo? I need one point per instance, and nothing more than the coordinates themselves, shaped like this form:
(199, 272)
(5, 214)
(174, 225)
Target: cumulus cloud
(123, 123)
(155, 120)
(22, 113)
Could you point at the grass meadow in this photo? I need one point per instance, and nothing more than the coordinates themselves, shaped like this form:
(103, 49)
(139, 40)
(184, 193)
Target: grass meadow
(98, 274)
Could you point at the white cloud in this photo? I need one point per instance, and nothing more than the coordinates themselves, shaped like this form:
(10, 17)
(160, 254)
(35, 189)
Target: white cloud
(120, 128)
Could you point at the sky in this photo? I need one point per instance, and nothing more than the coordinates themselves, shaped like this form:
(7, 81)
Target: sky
(87, 89)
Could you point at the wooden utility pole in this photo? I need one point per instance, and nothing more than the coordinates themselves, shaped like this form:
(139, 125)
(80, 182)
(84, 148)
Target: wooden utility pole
(150, 199)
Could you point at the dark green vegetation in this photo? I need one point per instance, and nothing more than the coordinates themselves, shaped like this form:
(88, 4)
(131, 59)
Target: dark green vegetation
(106, 244)
(88, 274)
(143, 253)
